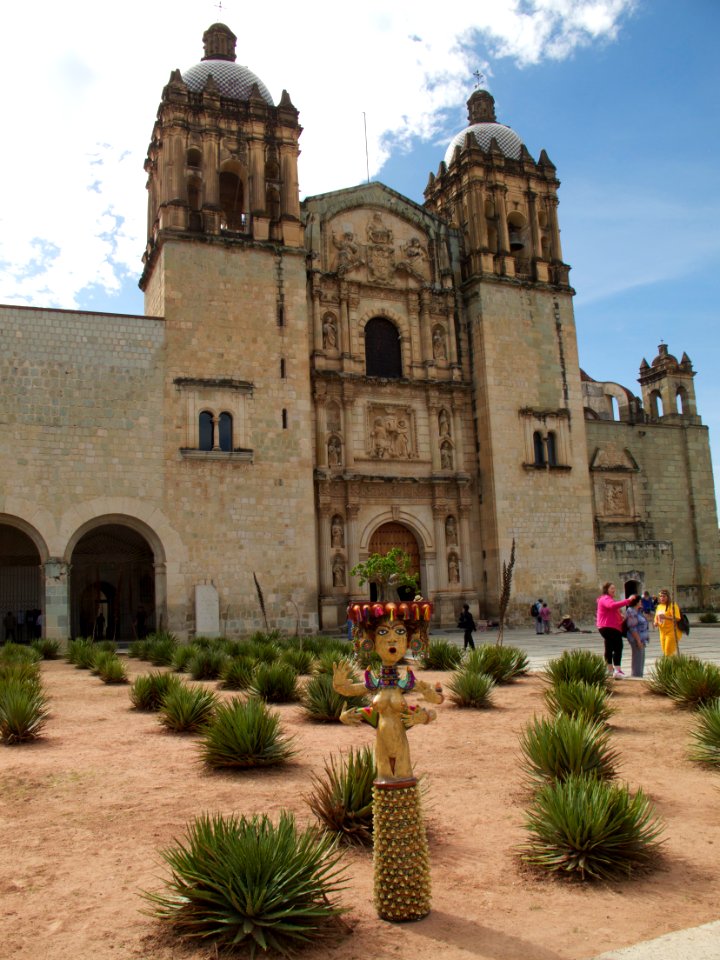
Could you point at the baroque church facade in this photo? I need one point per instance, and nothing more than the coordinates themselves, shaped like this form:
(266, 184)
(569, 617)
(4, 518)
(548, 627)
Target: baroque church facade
(316, 381)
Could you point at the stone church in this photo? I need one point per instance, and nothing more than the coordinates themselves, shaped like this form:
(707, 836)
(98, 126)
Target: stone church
(316, 381)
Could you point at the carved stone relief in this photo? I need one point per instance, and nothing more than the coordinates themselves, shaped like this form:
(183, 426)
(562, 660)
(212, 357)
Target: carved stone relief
(390, 433)
(348, 248)
(380, 253)
(615, 501)
(337, 531)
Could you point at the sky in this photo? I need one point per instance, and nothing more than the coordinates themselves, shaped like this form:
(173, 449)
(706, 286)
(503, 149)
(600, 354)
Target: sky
(622, 94)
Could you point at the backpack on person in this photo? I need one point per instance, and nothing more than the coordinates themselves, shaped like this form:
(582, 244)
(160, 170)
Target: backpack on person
(534, 610)
(683, 623)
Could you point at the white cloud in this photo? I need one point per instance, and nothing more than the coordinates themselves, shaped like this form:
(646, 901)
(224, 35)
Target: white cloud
(83, 92)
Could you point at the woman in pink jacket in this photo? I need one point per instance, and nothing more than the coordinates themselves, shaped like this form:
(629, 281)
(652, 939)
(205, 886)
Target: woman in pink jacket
(609, 623)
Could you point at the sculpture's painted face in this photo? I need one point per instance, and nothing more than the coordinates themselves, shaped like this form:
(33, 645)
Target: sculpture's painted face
(391, 642)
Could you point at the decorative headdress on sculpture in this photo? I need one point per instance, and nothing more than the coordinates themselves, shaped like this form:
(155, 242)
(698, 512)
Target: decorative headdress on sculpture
(366, 617)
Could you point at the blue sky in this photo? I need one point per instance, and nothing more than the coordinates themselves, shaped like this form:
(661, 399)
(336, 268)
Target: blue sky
(623, 95)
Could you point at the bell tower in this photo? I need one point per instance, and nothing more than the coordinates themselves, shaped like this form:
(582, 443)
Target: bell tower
(517, 305)
(668, 389)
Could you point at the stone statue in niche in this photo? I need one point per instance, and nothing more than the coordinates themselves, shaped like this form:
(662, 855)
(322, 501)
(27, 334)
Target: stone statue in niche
(438, 340)
(337, 532)
(444, 423)
(330, 339)
(453, 569)
(451, 531)
(338, 571)
(349, 255)
(333, 418)
(334, 452)
(446, 456)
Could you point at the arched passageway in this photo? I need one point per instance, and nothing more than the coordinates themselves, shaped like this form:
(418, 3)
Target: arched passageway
(20, 586)
(391, 535)
(112, 584)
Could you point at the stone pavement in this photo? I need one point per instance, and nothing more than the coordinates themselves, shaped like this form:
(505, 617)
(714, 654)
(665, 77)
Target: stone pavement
(696, 943)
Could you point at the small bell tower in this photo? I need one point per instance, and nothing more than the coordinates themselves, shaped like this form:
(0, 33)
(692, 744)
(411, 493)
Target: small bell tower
(668, 389)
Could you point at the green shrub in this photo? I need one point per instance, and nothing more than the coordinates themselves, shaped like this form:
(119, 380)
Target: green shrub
(471, 689)
(112, 669)
(206, 663)
(591, 829)
(558, 748)
(342, 798)
(186, 709)
(138, 649)
(709, 617)
(245, 734)
(275, 683)
(23, 710)
(182, 656)
(24, 671)
(575, 698)
(696, 684)
(161, 649)
(149, 690)
(99, 659)
(245, 884)
(238, 673)
(323, 704)
(105, 646)
(326, 660)
(47, 648)
(81, 653)
(577, 665)
(503, 664)
(263, 652)
(18, 653)
(706, 735)
(661, 679)
(441, 655)
(302, 661)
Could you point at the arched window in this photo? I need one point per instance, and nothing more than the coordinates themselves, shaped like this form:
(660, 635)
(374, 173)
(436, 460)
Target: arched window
(681, 400)
(552, 449)
(614, 408)
(538, 449)
(206, 431)
(383, 357)
(656, 404)
(231, 201)
(225, 432)
(194, 158)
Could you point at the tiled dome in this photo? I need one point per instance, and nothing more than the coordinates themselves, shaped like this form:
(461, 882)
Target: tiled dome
(508, 141)
(234, 80)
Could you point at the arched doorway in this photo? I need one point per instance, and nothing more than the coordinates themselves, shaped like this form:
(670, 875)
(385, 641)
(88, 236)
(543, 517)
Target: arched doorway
(391, 535)
(20, 586)
(112, 592)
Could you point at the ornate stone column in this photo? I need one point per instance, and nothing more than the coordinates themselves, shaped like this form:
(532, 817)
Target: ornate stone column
(554, 228)
(316, 318)
(458, 436)
(440, 511)
(425, 325)
(466, 573)
(433, 410)
(345, 342)
(503, 235)
(348, 395)
(352, 546)
(534, 228)
(325, 549)
(257, 199)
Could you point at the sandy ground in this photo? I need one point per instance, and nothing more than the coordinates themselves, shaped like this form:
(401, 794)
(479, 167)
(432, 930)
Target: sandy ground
(84, 812)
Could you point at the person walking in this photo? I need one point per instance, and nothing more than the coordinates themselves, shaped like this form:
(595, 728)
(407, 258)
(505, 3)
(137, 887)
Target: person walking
(467, 624)
(638, 630)
(609, 623)
(667, 616)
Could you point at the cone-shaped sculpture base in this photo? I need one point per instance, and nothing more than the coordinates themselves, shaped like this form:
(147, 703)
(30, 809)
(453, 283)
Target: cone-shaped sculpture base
(400, 851)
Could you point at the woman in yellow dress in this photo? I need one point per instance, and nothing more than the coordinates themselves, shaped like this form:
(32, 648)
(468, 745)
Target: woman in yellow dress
(667, 617)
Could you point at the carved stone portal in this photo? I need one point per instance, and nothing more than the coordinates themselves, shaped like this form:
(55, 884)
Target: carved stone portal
(390, 433)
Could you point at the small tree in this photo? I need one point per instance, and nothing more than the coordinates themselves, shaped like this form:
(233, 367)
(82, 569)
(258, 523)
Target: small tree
(386, 570)
(505, 594)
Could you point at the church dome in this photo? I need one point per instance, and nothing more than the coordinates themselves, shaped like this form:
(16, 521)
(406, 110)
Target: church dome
(234, 81)
(484, 126)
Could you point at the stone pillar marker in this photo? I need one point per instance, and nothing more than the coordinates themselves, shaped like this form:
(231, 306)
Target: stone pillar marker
(207, 610)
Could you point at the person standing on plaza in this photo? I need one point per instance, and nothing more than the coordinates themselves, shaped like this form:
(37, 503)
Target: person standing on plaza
(609, 623)
(638, 630)
(545, 615)
(535, 612)
(667, 617)
(467, 625)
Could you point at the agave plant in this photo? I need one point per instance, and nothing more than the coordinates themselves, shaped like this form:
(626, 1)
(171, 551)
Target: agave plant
(247, 884)
(23, 710)
(275, 683)
(322, 703)
(206, 663)
(182, 655)
(661, 679)
(112, 669)
(238, 672)
(161, 649)
(589, 701)
(149, 690)
(138, 649)
(47, 648)
(503, 664)
(18, 652)
(706, 735)
(577, 665)
(99, 659)
(24, 671)
(469, 688)
(696, 684)
(244, 734)
(558, 748)
(591, 829)
(302, 661)
(342, 798)
(186, 709)
(326, 660)
(441, 655)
